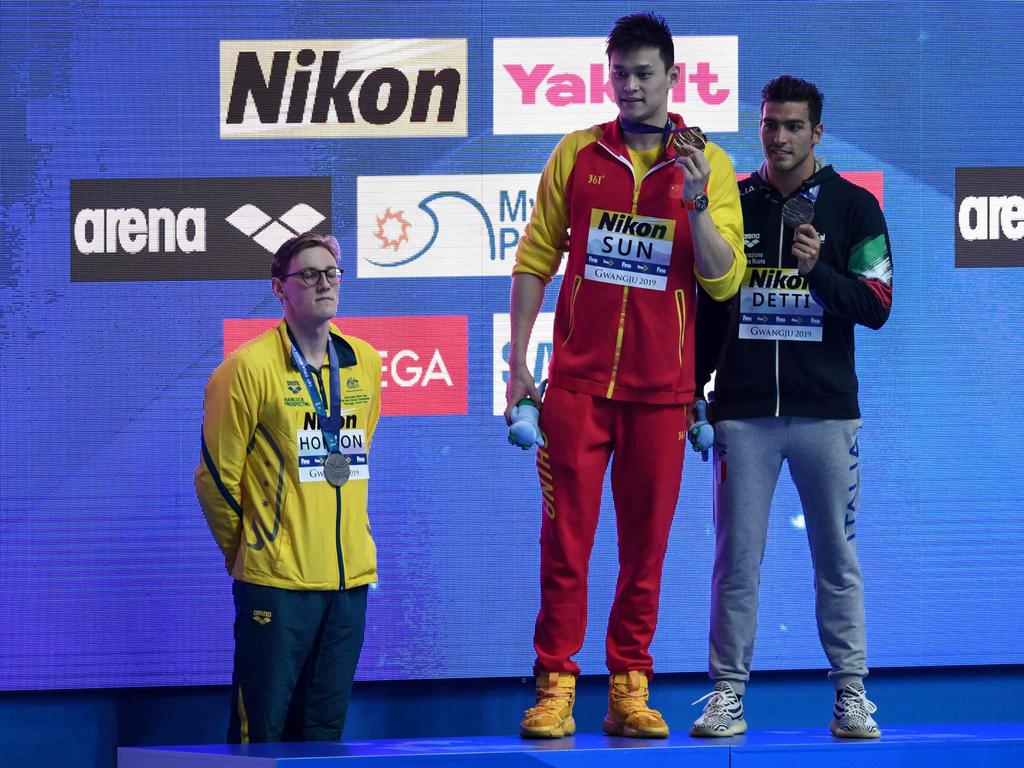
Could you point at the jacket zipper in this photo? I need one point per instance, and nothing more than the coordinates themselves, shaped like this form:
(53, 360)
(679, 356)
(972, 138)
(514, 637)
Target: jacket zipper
(778, 387)
(625, 289)
(337, 496)
(337, 540)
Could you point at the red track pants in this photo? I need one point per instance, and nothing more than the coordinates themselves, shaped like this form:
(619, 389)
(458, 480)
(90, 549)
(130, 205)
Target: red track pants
(646, 444)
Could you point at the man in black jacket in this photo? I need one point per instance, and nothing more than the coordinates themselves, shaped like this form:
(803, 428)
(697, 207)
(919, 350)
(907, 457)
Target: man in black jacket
(819, 262)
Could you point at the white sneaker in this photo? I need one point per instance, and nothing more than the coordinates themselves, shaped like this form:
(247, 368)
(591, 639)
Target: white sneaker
(723, 714)
(851, 715)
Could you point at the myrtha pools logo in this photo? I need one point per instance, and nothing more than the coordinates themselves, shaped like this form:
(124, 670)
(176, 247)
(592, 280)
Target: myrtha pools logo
(442, 226)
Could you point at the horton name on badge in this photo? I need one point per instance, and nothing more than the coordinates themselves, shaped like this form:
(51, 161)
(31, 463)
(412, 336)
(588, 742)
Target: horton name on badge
(312, 451)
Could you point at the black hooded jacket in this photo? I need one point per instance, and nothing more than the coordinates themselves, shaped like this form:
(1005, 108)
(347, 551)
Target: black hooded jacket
(784, 345)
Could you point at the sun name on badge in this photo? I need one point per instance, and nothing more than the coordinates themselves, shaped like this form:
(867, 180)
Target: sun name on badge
(312, 450)
(624, 249)
(776, 305)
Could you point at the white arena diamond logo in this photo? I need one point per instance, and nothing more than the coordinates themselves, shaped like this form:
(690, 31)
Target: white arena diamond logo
(272, 233)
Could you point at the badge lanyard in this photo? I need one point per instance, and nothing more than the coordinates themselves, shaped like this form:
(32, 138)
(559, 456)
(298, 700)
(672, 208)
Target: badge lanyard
(330, 423)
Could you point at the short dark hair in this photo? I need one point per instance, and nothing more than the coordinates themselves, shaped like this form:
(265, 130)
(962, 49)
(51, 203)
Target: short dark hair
(279, 266)
(640, 30)
(789, 88)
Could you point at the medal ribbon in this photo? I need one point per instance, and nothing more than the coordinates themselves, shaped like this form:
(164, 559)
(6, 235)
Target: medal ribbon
(632, 126)
(330, 423)
(810, 195)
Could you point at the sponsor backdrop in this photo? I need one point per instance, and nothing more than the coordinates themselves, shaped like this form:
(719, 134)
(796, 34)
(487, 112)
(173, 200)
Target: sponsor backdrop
(154, 155)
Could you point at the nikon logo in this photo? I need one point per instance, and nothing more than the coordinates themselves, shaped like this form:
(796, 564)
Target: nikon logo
(627, 225)
(272, 89)
(989, 228)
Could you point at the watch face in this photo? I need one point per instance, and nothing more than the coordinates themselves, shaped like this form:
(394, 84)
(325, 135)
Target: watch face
(698, 203)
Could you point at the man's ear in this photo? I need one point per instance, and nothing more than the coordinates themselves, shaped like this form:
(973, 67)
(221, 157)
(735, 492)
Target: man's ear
(673, 75)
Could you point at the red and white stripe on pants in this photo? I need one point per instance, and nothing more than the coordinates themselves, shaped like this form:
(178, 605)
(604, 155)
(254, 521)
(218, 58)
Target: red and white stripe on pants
(646, 444)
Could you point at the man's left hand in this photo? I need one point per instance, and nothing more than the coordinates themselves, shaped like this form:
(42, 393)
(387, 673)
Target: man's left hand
(806, 246)
(696, 171)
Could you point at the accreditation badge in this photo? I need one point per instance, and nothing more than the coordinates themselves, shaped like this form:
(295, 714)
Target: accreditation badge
(776, 305)
(625, 249)
(313, 450)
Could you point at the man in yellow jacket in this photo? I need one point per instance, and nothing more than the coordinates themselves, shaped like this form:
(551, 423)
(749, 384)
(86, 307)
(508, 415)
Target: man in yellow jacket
(282, 481)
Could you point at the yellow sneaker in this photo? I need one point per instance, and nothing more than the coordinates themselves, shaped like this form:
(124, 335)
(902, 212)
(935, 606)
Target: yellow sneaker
(551, 716)
(628, 713)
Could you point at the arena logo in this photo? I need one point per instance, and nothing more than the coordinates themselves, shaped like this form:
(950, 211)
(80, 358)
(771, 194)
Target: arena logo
(989, 230)
(538, 353)
(441, 226)
(550, 85)
(424, 360)
(132, 230)
(272, 89)
(189, 229)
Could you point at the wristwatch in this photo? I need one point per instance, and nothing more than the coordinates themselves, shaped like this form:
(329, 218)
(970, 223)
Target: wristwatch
(698, 203)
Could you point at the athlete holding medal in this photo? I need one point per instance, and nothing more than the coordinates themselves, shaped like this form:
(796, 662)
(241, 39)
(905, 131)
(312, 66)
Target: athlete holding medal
(786, 390)
(283, 485)
(646, 216)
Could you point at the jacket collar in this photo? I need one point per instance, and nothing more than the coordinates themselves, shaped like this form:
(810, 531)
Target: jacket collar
(612, 137)
(346, 355)
(823, 172)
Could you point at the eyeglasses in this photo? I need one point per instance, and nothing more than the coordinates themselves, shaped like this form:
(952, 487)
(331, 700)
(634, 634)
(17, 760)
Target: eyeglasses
(311, 276)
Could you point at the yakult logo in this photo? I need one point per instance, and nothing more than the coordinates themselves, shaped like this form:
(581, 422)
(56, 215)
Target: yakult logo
(424, 360)
(271, 89)
(544, 85)
(989, 217)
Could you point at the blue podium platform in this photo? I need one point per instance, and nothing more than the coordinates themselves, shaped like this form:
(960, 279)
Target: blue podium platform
(927, 746)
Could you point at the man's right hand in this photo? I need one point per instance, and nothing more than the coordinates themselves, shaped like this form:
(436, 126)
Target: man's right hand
(520, 384)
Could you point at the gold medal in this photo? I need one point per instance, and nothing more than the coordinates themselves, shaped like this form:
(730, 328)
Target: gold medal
(689, 137)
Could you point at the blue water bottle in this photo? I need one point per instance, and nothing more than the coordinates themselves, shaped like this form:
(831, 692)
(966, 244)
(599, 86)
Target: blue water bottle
(525, 429)
(701, 434)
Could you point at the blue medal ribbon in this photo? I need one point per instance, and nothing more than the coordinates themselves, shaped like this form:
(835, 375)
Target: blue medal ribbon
(330, 423)
(632, 126)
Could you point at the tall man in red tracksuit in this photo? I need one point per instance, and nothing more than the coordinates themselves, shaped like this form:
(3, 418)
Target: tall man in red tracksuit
(644, 222)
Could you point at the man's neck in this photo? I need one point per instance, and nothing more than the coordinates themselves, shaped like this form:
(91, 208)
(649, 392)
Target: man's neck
(312, 340)
(641, 142)
(790, 181)
(644, 141)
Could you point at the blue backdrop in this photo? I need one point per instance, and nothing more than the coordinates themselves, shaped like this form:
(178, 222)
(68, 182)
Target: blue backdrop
(109, 330)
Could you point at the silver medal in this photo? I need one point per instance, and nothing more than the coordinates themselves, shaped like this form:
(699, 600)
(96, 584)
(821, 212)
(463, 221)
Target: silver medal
(336, 469)
(796, 211)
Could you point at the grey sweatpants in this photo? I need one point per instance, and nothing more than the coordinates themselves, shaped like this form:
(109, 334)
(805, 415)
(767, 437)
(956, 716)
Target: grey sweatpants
(823, 461)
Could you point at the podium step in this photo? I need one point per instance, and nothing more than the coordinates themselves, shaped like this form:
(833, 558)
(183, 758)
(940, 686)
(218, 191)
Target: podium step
(924, 746)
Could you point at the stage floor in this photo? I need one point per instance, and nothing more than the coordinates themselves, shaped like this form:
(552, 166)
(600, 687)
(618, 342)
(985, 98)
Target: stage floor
(927, 746)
